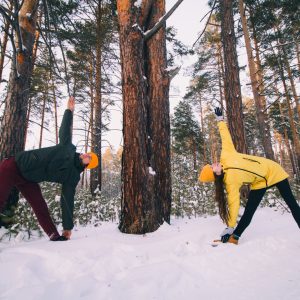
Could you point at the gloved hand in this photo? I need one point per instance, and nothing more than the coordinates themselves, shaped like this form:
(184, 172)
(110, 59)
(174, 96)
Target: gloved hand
(225, 235)
(67, 234)
(219, 114)
(57, 238)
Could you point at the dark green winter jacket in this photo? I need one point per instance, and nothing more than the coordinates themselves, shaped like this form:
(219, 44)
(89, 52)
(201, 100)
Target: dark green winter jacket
(60, 164)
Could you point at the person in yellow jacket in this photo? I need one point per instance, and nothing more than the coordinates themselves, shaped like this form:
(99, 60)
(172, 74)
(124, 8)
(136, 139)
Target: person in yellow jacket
(236, 169)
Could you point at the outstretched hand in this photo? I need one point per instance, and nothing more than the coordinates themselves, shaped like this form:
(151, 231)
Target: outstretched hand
(71, 103)
(219, 114)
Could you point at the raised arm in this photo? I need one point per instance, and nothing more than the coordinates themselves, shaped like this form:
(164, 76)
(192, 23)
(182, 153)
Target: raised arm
(227, 144)
(65, 131)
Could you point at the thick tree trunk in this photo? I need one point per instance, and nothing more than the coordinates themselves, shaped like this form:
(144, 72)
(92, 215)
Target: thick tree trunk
(16, 102)
(137, 211)
(146, 184)
(34, 55)
(262, 118)
(12, 127)
(96, 174)
(158, 84)
(233, 96)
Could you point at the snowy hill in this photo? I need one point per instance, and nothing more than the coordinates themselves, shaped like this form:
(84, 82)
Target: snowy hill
(176, 262)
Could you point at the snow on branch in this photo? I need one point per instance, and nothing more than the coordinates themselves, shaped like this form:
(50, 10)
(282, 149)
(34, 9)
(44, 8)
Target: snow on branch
(173, 71)
(149, 33)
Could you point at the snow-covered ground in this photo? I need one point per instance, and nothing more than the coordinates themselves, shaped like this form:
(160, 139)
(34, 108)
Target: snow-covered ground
(176, 262)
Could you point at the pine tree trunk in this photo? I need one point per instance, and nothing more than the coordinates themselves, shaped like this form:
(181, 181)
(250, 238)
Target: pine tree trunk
(220, 77)
(4, 43)
(291, 114)
(287, 143)
(16, 101)
(146, 184)
(42, 121)
(34, 55)
(233, 96)
(159, 107)
(202, 129)
(55, 107)
(298, 55)
(262, 119)
(220, 65)
(213, 144)
(259, 73)
(293, 86)
(91, 125)
(96, 174)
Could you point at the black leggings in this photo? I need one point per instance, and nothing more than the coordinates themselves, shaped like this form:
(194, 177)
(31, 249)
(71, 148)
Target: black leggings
(255, 197)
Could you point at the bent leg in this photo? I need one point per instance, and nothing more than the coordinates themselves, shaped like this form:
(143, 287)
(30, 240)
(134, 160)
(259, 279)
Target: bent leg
(255, 197)
(287, 194)
(32, 193)
(6, 181)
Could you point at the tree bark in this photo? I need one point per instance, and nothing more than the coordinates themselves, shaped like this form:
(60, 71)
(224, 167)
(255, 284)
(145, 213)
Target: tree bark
(4, 44)
(16, 101)
(96, 174)
(287, 143)
(34, 55)
(298, 55)
(43, 120)
(262, 118)
(293, 85)
(202, 128)
(146, 183)
(220, 76)
(159, 107)
(233, 96)
(55, 107)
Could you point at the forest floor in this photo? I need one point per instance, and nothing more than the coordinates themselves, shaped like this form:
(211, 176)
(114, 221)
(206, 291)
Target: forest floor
(176, 262)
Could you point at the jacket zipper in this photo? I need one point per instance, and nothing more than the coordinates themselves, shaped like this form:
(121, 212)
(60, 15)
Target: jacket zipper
(249, 172)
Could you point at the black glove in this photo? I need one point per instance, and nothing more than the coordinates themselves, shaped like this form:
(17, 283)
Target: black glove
(218, 112)
(56, 238)
(225, 238)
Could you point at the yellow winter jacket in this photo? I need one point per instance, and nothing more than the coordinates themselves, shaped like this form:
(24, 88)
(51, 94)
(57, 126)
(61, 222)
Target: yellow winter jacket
(241, 169)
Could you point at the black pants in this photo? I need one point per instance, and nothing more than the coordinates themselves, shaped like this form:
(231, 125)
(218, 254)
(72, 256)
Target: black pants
(255, 197)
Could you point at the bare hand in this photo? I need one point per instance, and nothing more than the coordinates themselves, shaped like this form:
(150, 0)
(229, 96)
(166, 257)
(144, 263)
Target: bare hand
(67, 234)
(71, 104)
(217, 168)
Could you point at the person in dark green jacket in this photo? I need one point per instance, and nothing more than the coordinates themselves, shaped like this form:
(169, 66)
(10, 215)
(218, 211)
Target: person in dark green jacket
(60, 164)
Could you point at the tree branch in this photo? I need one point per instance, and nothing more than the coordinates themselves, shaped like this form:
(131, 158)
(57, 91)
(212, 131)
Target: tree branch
(17, 26)
(149, 33)
(207, 22)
